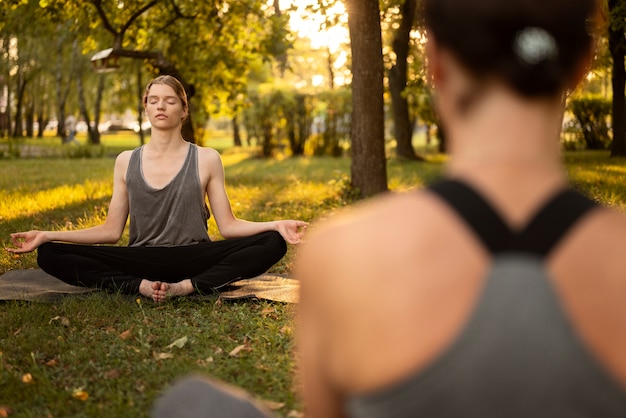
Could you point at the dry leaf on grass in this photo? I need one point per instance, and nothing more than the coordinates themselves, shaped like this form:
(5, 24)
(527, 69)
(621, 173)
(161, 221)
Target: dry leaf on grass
(274, 406)
(5, 411)
(112, 374)
(204, 362)
(80, 394)
(180, 343)
(235, 351)
(62, 320)
(27, 378)
(124, 335)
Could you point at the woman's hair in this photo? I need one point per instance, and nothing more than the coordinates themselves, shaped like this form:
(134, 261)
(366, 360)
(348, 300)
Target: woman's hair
(168, 80)
(534, 46)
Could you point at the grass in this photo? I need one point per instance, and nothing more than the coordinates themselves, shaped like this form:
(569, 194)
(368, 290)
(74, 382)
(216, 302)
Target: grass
(109, 355)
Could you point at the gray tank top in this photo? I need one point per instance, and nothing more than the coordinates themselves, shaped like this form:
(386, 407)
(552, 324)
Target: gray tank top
(171, 216)
(518, 354)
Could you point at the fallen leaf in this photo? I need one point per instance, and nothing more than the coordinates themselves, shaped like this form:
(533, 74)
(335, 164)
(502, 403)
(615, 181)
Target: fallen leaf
(180, 343)
(162, 356)
(218, 350)
(274, 406)
(5, 411)
(204, 362)
(235, 351)
(124, 335)
(62, 320)
(80, 394)
(27, 378)
(53, 362)
(112, 374)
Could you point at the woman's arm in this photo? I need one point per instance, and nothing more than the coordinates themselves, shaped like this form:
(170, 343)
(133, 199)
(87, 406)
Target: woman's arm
(322, 397)
(229, 225)
(108, 232)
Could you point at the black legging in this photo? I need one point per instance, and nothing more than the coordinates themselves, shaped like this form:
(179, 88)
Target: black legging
(209, 265)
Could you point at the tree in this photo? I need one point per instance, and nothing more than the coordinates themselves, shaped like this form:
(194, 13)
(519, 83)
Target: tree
(398, 73)
(208, 46)
(368, 167)
(617, 47)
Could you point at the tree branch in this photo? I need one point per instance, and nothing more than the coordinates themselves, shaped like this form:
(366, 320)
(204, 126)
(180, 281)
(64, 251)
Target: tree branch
(103, 17)
(135, 15)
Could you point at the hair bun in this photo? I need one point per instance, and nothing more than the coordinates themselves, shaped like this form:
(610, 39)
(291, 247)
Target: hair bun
(534, 45)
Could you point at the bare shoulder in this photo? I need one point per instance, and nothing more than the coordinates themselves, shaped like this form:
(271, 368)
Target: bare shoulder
(374, 218)
(372, 235)
(606, 229)
(208, 155)
(122, 160)
(595, 245)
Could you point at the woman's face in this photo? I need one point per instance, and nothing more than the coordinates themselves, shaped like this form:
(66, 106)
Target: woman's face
(163, 107)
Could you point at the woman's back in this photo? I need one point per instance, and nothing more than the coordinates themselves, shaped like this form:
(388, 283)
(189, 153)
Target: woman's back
(395, 287)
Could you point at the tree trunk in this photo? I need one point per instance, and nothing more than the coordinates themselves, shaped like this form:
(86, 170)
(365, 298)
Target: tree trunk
(403, 128)
(95, 129)
(368, 168)
(140, 109)
(617, 47)
(62, 89)
(18, 128)
(236, 134)
(30, 119)
(93, 139)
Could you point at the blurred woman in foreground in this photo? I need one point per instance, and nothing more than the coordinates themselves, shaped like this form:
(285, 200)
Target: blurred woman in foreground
(497, 292)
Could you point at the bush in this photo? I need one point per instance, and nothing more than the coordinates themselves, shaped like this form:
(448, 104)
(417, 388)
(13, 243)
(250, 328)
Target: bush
(592, 115)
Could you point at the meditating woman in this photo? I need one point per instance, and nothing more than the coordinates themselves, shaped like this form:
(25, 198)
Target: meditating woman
(498, 291)
(163, 186)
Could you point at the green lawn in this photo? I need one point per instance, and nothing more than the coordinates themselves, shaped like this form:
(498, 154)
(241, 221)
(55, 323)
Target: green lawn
(108, 355)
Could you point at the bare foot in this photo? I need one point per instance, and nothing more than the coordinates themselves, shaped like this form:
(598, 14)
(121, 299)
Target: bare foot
(182, 288)
(159, 291)
(146, 287)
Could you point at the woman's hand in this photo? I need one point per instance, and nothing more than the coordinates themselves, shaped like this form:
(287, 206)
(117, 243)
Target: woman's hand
(25, 242)
(291, 231)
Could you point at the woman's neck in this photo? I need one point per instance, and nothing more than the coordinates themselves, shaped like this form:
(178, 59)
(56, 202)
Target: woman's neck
(166, 141)
(509, 149)
(506, 133)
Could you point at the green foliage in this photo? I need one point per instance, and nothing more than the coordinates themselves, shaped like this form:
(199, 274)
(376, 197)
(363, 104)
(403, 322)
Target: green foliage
(310, 124)
(592, 115)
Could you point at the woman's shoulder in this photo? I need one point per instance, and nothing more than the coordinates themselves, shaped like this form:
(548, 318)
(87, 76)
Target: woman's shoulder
(374, 231)
(389, 213)
(123, 158)
(208, 155)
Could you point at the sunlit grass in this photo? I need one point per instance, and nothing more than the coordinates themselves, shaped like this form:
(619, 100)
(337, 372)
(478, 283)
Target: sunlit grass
(112, 347)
